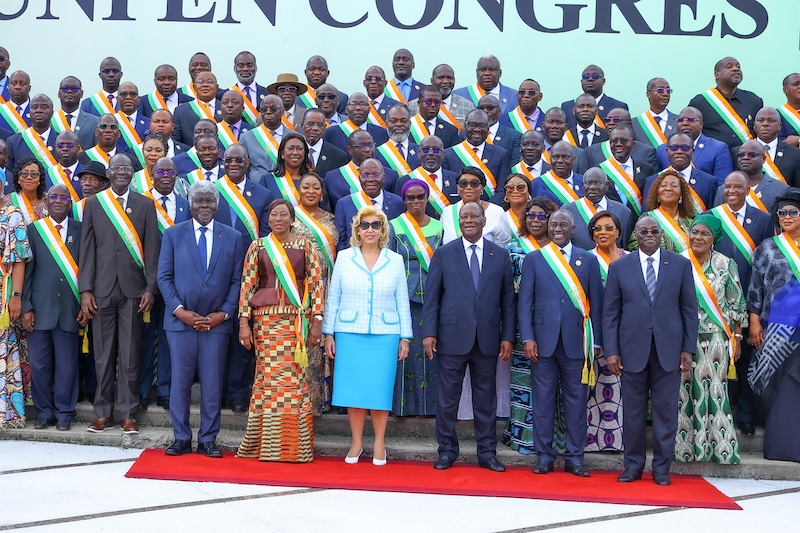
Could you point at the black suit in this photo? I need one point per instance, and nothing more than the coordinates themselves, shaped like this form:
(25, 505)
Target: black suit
(786, 157)
(330, 158)
(447, 133)
(186, 119)
(600, 135)
(641, 152)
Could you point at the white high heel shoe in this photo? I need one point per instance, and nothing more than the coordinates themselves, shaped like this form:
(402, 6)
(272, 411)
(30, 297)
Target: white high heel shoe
(380, 462)
(353, 460)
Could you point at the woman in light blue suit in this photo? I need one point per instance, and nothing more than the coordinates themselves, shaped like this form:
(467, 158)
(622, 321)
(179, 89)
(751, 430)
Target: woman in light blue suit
(367, 327)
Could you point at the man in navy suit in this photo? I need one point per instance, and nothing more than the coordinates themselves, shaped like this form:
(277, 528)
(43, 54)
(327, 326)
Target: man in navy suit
(51, 313)
(199, 274)
(5, 62)
(41, 110)
(789, 130)
(529, 95)
(67, 155)
(177, 210)
(403, 67)
(552, 331)
(232, 105)
(191, 159)
(622, 144)
(165, 79)
(245, 67)
(161, 122)
(398, 127)
(586, 132)
(357, 113)
(374, 84)
(19, 88)
(784, 156)
(110, 75)
(710, 155)
(502, 136)
(595, 187)
(431, 154)
(679, 152)
(592, 81)
(128, 104)
(562, 159)
(317, 73)
(469, 320)
(328, 101)
(324, 155)
(645, 153)
(554, 127)
(649, 336)
(531, 149)
(658, 95)
(185, 116)
(428, 105)
(750, 160)
(371, 175)
(488, 74)
(81, 122)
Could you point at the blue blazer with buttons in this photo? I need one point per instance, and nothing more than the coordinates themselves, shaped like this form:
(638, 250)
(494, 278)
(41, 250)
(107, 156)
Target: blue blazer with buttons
(538, 188)
(336, 186)
(496, 159)
(337, 137)
(704, 184)
(147, 110)
(393, 206)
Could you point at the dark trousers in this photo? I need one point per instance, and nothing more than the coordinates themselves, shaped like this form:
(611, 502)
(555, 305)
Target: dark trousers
(203, 352)
(87, 380)
(54, 360)
(544, 382)
(152, 362)
(240, 367)
(117, 335)
(663, 387)
(483, 374)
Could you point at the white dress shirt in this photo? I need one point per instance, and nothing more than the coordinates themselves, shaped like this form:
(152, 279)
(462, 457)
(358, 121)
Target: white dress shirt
(171, 202)
(172, 102)
(567, 251)
(479, 250)
(208, 235)
(643, 260)
(123, 196)
(315, 150)
(63, 223)
(379, 200)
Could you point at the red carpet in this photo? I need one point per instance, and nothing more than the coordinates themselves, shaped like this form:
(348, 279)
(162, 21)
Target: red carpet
(420, 477)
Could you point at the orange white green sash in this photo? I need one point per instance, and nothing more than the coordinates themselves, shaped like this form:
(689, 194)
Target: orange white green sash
(164, 220)
(361, 200)
(267, 141)
(603, 260)
(188, 90)
(651, 128)
(288, 190)
(59, 177)
(570, 138)
(25, 206)
(374, 117)
(195, 175)
(321, 235)
(77, 209)
(454, 209)
(130, 136)
(513, 222)
(225, 134)
(772, 170)
(519, 120)
(708, 301)
(350, 175)
(527, 243)
(790, 250)
(598, 122)
(605, 147)
(476, 92)
(735, 231)
(101, 104)
(192, 153)
(414, 233)
(348, 127)
(157, 101)
(546, 156)
(559, 187)
(95, 153)
(37, 147)
(123, 225)
(288, 280)
(202, 110)
(586, 209)
(240, 206)
(671, 228)
(142, 181)
(754, 199)
(392, 156)
(250, 113)
(791, 115)
(309, 97)
(287, 123)
(59, 122)
(393, 91)
(436, 197)
(418, 128)
(467, 155)
(727, 113)
(9, 112)
(624, 183)
(522, 168)
(61, 255)
(447, 116)
(572, 286)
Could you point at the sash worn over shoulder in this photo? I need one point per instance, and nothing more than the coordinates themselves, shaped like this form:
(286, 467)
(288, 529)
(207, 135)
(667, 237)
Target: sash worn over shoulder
(559, 187)
(37, 147)
(250, 113)
(476, 92)
(522, 168)
(519, 120)
(603, 260)
(24, 205)
(421, 246)
(164, 220)
(58, 177)
(9, 112)
(436, 198)
(350, 175)
(66, 263)
(651, 128)
(735, 231)
(454, 209)
(308, 98)
(287, 188)
(59, 122)
(418, 129)
(727, 113)
(101, 104)
(322, 236)
(361, 200)
(393, 91)
(586, 209)
(392, 156)
(157, 101)
(239, 204)
(447, 116)
(119, 219)
(624, 183)
(467, 155)
(791, 116)
(267, 141)
(671, 228)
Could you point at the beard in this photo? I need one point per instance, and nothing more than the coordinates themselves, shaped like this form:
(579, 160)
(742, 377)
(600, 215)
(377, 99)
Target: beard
(398, 137)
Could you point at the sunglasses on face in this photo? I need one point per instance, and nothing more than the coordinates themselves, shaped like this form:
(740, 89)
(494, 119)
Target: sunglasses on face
(488, 107)
(751, 155)
(591, 76)
(108, 71)
(291, 89)
(662, 90)
(376, 225)
(229, 160)
(61, 146)
(472, 184)
(527, 92)
(128, 94)
(412, 197)
(121, 168)
(791, 213)
(111, 127)
(371, 177)
(644, 232)
(519, 187)
(621, 140)
(376, 79)
(33, 175)
(326, 96)
(429, 150)
(681, 147)
(168, 173)
(536, 216)
(431, 101)
(59, 198)
(612, 120)
(357, 104)
(608, 229)
(690, 120)
(70, 89)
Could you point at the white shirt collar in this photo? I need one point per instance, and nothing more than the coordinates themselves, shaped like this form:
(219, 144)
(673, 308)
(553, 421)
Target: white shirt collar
(45, 134)
(114, 94)
(72, 168)
(493, 129)
(602, 205)
(568, 250)
(741, 210)
(467, 244)
(597, 100)
(133, 116)
(157, 195)
(379, 199)
(123, 196)
(197, 226)
(643, 257)
(63, 223)
(378, 100)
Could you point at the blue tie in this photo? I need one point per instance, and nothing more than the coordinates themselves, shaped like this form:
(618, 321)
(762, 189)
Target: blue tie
(650, 278)
(400, 149)
(202, 249)
(474, 266)
(164, 202)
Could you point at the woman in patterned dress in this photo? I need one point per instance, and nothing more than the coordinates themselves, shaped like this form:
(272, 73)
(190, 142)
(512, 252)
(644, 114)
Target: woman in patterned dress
(706, 431)
(669, 200)
(280, 421)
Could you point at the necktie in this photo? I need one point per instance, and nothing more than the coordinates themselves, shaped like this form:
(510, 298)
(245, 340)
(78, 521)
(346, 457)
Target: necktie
(111, 100)
(58, 229)
(766, 149)
(374, 103)
(475, 149)
(584, 138)
(474, 266)
(234, 129)
(68, 172)
(627, 169)
(428, 127)
(209, 174)
(433, 176)
(247, 93)
(202, 249)
(312, 155)
(121, 201)
(164, 202)
(129, 118)
(69, 118)
(564, 253)
(650, 278)
(19, 109)
(400, 149)
(531, 122)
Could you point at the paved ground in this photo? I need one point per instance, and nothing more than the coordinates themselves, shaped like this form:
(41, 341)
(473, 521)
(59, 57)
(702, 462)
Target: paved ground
(65, 487)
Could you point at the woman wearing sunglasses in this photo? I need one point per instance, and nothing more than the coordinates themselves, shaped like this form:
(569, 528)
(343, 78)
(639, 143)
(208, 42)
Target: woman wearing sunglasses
(470, 182)
(367, 328)
(517, 196)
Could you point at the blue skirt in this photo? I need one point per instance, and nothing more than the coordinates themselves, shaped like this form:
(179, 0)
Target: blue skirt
(364, 370)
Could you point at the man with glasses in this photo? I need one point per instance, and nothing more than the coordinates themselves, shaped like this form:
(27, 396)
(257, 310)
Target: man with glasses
(16, 113)
(262, 142)
(560, 183)
(106, 99)
(595, 189)
(324, 156)
(358, 109)
(428, 120)
(190, 160)
(399, 152)
(166, 96)
(117, 282)
(703, 186)
(317, 73)
(781, 160)
(68, 164)
(327, 100)
(129, 119)
(586, 132)
(70, 117)
(39, 136)
(488, 74)
(107, 133)
(527, 115)
(597, 153)
(763, 189)
(656, 124)
(206, 106)
(500, 135)
(454, 107)
(431, 155)
(593, 81)
(374, 84)
(627, 174)
(288, 88)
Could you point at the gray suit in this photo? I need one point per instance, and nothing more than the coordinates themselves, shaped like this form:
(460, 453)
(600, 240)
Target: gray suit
(670, 129)
(85, 126)
(260, 162)
(767, 190)
(580, 237)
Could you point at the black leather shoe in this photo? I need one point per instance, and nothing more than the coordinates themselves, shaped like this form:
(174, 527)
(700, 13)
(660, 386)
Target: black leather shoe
(163, 401)
(629, 475)
(239, 407)
(662, 479)
(443, 462)
(144, 401)
(180, 447)
(44, 423)
(209, 449)
(576, 468)
(492, 464)
(543, 467)
(747, 428)
(63, 425)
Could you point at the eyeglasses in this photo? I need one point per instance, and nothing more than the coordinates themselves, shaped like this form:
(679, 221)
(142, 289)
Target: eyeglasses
(536, 216)
(429, 150)
(557, 224)
(204, 81)
(168, 173)
(690, 120)
(621, 140)
(239, 160)
(527, 92)
(477, 124)
(604, 228)
(357, 104)
(644, 232)
(432, 101)
(128, 94)
(662, 90)
(375, 224)
(108, 71)
(327, 96)
(472, 184)
(374, 176)
(376, 79)
(112, 127)
(791, 213)
(412, 197)
(313, 124)
(290, 88)
(591, 76)
(59, 198)
(70, 89)
(612, 120)
(681, 147)
(364, 146)
(593, 183)
(751, 155)
(519, 187)
(121, 168)
(270, 109)
(33, 174)
(488, 107)
(69, 146)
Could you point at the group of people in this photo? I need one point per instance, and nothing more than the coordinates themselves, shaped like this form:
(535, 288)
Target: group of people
(412, 249)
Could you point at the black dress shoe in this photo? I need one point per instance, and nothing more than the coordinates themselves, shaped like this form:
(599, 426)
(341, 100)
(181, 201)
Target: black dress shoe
(629, 475)
(144, 401)
(543, 467)
(443, 462)
(209, 449)
(63, 425)
(576, 468)
(180, 447)
(747, 428)
(239, 407)
(492, 464)
(163, 401)
(44, 423)
(662, 479)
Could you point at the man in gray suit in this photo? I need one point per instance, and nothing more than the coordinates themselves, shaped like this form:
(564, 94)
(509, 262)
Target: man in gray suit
(82, 123)
(595, 187)
(658, 95)
(117, 282)
(750, 160)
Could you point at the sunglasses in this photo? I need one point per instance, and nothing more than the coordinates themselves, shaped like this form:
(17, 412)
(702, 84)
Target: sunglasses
(108, 71)
(432, 101)
(612, 120)
(592, 76)
(473, 184)
(662, 90)
(791, 213)
(644, 232)
(167, 173)
(61, 146)
(621, 140)
(376, 79)
(121, 168)
(528, 92)
(429, 150)
(59, 198)
(751, 155)
(605, 228)
(488, 107)
(357, 104)
(681, 147)
(371, 177)
(376, 225)
(239, 160)
(537, 216)
(208, 81)
(477, 124)
(291, 89)
(70, 89)
(690, 120)
(412, 197)
(128, 94)
(29, 175)
(327, 96)
(112, 127)
(519, 187)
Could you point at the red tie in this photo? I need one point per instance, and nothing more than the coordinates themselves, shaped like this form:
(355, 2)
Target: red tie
(433, 176)
(68, 172)
(58, 229)
(111, 99)
(475, 149)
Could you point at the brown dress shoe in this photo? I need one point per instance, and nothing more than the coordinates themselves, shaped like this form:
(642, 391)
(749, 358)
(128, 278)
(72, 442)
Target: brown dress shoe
(129, 426)
(100, 425)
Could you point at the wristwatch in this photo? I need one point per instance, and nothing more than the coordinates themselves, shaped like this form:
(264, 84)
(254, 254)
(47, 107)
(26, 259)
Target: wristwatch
(19, 295)
(318, 318)
(225, 316)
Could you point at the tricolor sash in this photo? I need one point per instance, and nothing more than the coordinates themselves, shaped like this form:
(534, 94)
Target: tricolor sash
(454, 209)
(361, 200)
(392, 156)
(157, 101)
(513, 222)
(59, 177)
(101, 104)
(25, 206)
(202, 110)
(570, 138)
(791, 115)
(348, 127)
(586, 209)
(603, 260)
(197, 174)
(350, 175)
(418, 129)
(142, 181)
(735, 231)
(123, 225)
(559, 187)
(188, 90)
(267, 141)
(77, 209)
(700, 205)
(754, 199)
(9, 112)
(572, 286)
(322, 236)
(727, 113)
(605, 147)
(288, 190)
(250, 113)
(546, 156)
(624, 183)
(95, 153)
(651, 128)
(476, 92)
(287, 123)
(528, 243)
(469, 157)
(522, 168)
(164, 220)
(772, 170)
(130, 136)
(671, 228)
(436, 197)
(790, 251)
(59, 122)
(374, 117)
(66, 263)
(240, 206)
(393, 91)
(192, 153)
(519, 120)
(598, 122)
(37, 147)
(708, 301)
(447, 116)
(225, 134)
(421, 246)
(309, 97)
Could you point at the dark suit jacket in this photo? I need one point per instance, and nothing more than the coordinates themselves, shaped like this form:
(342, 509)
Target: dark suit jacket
(412, 156)
(88, 107)
(17, 149)
(496, 159)
(449, 189)
(507, 99)
(336, 136)
(538, 188)
(787, 159)
(85, 126)
(182, 283)
(336, 186)
(46, 291)
(710, 156)
(605, 105)
(5, 134)
(600, 135)
(393, 206)
(509, 138)
(261, 92)
(505, 120)
(631, 322)
(330, 158)
(545, 310)
(26, 116)
(186, 119)
(767, 190)
(456, 313)
(447, 133)
(142, 127)
(641, 171)
(580, 237)
(146, 109)
(259, 199)
(387, 103)
(75, 181)
(104, 258)
(705, 185)
(641, 152)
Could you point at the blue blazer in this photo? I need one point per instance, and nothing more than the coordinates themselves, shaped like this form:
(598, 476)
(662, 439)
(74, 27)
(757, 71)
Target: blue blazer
(181, 282)
(17, 149)
(146, 109)
(545, 311)
(26, 116)
(496, 159)
(505, 120)
(538, 188)
(509, 138)
(88, 107)
(631, 322)
(705, 185)
(710, 156)
(185, 120)
(507, 99)
(4, 93)
(336, 136)
(455, 312)
(447, 133)
(393, 206)
(75, 180)
(142, 127)
(336, 187)
(387, 103)
(644, 153)
(605, 105)
(259, 199)
(580, 237)
(412, 157)
(768, 189)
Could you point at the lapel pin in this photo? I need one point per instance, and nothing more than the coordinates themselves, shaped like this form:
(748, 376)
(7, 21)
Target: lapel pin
(780, 154)
(383, 111)
(505, 100)
(69, 239)
(749, 117)
(638, 170)
(446, 183)
(180, 209)
(128, 211)
(498, 138)
(440, 126)
(601, 108)
(324, 158)
(485, 161)
(577, 188)
(454, 104)
(248, 193)
(412, 152)
(666, 262)
(747, 221)
(578, 263)
(77, 128)
(701, 145)
(692, 181)
(669, 127)
(758, 194)
(597, 134)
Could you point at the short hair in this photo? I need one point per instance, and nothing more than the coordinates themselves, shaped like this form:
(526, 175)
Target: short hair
(430, 89)
(201, 187)
(567, 214)
(24, 162)
(312, 110)
(786, 79)
(370, 211)
(281, 201)
(598, 216)
(478, 204)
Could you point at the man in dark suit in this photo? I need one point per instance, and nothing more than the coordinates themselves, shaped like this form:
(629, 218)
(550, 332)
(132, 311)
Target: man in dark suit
(621, 145)
(532, 164)
(790, 127)
(371, 175)
(187, 115)
(778, 155)
(67, 155)
(106, 100)
(161, 122)
(5, 62)
(597, 153)
(403, 67)
(469, 320)
(263, 157)
(41, 110)
(528, 114)
(51, 313)
(750, 160)
(562, 158)
(324, 155)
(488, 74)
(710, 155)
(398, 127)
(374, 84)
(208, 158)
(165, 79)
(502, 136)
(552, 330)
(128, 104)
(758, 226)
(593, 81)
(357, 113)
(586, 132)
(679, 152)
(658, 95)
(328, 100)
(595, 187)
(245, 67)
(317, 73)
(82, 123)
(554, 127)
(232, 105)
(431, 154)
(649, 336)
(429, 104)
(18, 103)
(199, 276)
(117, 282)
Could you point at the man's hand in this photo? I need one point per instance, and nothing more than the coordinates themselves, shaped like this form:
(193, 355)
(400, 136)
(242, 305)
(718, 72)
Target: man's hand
(686, 362)
(531, 350)
(88, 304)
(505, 350)
(614, 364)
(429, 345)
(146, 302)
(28, 320)
(189, 318)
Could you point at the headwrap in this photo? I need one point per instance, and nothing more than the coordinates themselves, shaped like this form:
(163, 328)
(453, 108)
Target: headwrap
(790, 196)
(711, 222)
(414, 183)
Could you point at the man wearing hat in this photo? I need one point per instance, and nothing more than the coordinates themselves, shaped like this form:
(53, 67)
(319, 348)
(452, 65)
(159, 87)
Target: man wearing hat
(288, 88)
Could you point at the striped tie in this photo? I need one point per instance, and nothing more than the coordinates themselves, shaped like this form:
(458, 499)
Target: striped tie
(650, 278)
